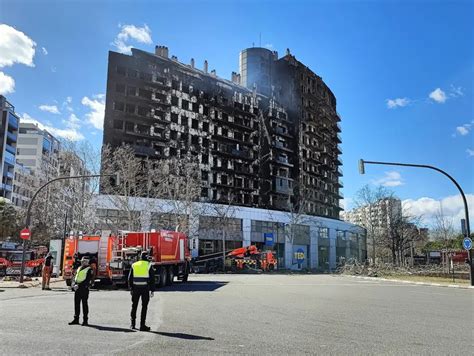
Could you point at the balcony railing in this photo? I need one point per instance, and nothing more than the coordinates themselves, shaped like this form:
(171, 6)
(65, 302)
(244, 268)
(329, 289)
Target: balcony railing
(10, 149)
(9, 158)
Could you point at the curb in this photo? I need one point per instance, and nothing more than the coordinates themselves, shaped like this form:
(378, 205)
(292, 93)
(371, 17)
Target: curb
(27, 284)
(411, 282)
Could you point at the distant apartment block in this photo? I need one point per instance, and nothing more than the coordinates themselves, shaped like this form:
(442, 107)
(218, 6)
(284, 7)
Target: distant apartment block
(25, 184)
(9, 122)
(38, 151)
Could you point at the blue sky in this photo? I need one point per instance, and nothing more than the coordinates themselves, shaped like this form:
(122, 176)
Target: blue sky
(382, 60)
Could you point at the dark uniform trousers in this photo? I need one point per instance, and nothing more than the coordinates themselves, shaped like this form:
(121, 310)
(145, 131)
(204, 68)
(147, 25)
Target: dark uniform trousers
(137, 293)
(81, 295)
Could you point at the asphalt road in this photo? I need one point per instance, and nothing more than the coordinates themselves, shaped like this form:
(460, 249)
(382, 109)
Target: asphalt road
(247, 314)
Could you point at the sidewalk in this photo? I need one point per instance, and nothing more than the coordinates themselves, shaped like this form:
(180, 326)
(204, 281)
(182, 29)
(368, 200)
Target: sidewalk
(411, 282)
(36, 281)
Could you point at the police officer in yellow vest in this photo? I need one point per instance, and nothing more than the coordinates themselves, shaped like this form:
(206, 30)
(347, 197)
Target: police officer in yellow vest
(81, 283)
(141, 281)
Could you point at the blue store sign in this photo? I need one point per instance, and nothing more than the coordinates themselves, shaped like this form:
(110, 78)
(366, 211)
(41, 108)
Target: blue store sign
(269, 240)
(299, 256)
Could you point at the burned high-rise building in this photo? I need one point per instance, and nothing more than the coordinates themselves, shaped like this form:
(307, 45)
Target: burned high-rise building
(268, 138)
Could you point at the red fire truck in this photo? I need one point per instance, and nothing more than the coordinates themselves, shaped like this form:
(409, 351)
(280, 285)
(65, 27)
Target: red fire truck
(95, 247)
(168, 251)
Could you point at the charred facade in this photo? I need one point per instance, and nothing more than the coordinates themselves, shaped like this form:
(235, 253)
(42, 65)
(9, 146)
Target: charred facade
(258, 138)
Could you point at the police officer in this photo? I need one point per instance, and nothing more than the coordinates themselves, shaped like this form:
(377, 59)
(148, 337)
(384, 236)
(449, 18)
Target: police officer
(81, 284)
(142, 285)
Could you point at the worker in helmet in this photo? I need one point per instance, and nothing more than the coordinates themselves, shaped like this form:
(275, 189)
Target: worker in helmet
(141, 281)
(81, 283)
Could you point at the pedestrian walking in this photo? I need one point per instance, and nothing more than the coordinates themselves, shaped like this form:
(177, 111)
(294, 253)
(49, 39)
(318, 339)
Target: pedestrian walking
(141, 281)
(81, 283)
(46, 272)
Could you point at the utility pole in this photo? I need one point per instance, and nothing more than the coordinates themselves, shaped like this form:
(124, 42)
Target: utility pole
(466, 209)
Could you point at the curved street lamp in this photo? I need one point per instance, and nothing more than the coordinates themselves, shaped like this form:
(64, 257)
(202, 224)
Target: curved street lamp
(362, 164)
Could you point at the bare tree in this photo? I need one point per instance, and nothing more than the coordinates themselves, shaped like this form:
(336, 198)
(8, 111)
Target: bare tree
(371, 215)
(443, 230)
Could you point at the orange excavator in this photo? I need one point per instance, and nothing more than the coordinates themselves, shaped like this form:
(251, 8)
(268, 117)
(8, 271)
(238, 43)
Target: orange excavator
(251, 257)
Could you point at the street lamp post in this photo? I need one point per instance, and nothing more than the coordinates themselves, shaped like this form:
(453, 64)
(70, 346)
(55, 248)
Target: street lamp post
(28, 213)
(466, 209)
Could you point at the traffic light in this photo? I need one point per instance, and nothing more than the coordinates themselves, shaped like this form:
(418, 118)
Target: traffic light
(361, 166)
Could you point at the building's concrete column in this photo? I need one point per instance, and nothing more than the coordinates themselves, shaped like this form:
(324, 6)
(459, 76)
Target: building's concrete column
(332, 249)
(194, 233)
(246, 232)
(288, 254)
(313, 247)
(348, 248)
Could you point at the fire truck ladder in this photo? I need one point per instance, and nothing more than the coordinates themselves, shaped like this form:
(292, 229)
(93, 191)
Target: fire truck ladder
(103, 249)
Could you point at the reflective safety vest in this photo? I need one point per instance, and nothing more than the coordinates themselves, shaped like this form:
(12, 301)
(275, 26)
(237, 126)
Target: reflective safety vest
(141, 273)
(81, 274)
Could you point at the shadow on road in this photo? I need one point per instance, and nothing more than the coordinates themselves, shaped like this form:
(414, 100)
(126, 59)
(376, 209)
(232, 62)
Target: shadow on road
(197, 286)
(111, 328)
(182, 336)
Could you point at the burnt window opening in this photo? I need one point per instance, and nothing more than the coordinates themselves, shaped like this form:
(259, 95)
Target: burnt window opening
(183, 120)
(195, 124)
(204, 192)
(129, 126)
(205, 159)
(205, 126)
(205, 110)
(118, 124)
(146, 76)
(131, 91)
(175, 85)
(224, 179)
(195, 140)
(205, 143)
(174, 101)
(121, 70)
(143, 129)
(174, 118)
(173, 152)
(174, 134)
(204, 175)
(144, 93)
(130, 109)
(119, 106)
(120, 88)
(143, 111)
(214, 194)
(184, 104)
(225, 116)
(195, 107)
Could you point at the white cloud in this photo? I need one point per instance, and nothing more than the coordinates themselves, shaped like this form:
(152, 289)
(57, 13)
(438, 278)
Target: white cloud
(69, 133)
(453, 207)
(456, 91)
(53, 69)
(7, 84)
(45, 51)
(67, 104)
(131, 32)
(269, 46)
(463, 130)
(470, 152)
(15, 47)
(53, 109)
(438, 95)
(391, 179)
(398, 102)
(96, 116)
